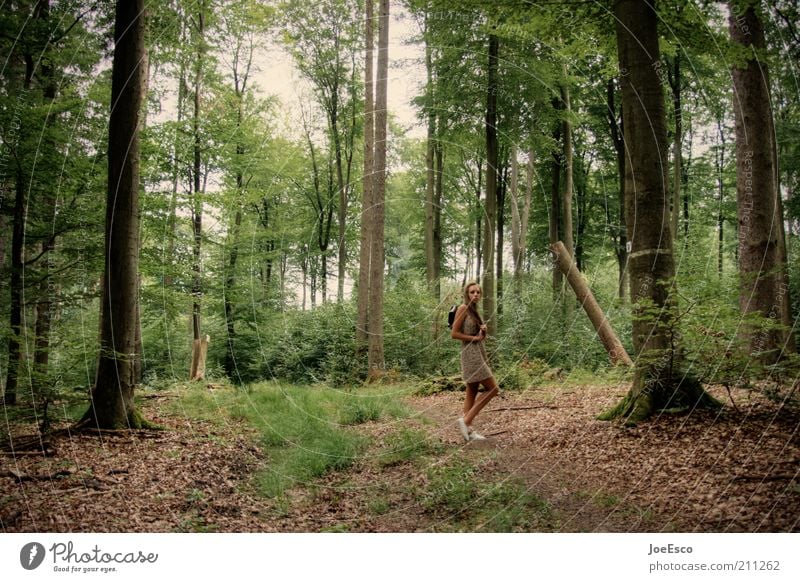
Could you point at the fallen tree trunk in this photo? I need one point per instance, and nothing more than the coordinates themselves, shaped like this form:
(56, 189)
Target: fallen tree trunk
(609, 339)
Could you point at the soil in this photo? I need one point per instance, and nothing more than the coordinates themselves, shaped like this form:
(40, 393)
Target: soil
(733, 471)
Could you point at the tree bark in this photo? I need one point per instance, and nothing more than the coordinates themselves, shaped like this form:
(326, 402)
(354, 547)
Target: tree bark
(764, 293)
(367, 202)
(112, 404)
(658, 382)
(585, 297)
(554, 220)
(620, 236)
(490, 207)
(376, 357)
(197, 205)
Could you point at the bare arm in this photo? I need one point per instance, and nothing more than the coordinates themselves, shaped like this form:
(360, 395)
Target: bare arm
(457, 334)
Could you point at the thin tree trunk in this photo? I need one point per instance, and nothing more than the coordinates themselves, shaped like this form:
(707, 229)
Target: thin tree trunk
(677, 150)
(367, 203)
(620, 237)
(555, 211)
(376, 357)
(568, 173)
(490, 207)
(720, 159)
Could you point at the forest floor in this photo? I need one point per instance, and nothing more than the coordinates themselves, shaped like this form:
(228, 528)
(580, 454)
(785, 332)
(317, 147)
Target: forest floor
(548, 466)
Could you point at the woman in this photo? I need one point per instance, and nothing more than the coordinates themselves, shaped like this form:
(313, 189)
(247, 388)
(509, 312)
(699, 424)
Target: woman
(470, 329)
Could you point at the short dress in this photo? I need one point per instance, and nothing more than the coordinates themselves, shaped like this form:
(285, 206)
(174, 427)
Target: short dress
(474, 361)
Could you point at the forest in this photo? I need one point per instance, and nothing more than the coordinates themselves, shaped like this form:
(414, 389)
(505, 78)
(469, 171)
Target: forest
(231, 232)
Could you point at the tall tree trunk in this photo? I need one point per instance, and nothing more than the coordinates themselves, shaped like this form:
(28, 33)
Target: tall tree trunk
(438, 194)
(367, 203)
(566, 204)
(430, 161)
(15, 285)
(620, 237)
(674, 77)
(516, 220)
(112, 404)
(501, 220)
(197, 206)
(762, 267)
(554, 220)
(375, 357)
(658, 381)
(490, 207)
(720, 162)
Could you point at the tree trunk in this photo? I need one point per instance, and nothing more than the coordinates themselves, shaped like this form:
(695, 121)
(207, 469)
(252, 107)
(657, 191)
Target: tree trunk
(555, 211)
(15, 284)
(367, 203)
(658, 381)
(197, 206)
(762, 267)
(112, 403)
(376, 358)
(490, 207)
(517, 246)
(720, 162)
(585, 297)
(430, 152)
(438, 195)
(620, 236)
(674, 77)
(566, 204)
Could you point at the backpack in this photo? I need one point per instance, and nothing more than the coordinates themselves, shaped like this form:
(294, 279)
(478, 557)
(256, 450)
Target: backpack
(451, 316)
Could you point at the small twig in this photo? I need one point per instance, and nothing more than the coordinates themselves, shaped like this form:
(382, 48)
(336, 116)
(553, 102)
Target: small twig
(491, 434)
(522, 407)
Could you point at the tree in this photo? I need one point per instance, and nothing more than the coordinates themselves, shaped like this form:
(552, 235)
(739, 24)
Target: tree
(377, 259)
(658, 380)
(490, 207)
(112, 405)
(764, 288)
(367, 202)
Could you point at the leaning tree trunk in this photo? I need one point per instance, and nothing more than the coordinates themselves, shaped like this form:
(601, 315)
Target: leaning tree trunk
(112, 403)
(763, 294)
(605, 332)
(658, 381)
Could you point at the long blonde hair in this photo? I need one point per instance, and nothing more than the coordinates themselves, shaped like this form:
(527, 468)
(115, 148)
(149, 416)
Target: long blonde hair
(471, 309)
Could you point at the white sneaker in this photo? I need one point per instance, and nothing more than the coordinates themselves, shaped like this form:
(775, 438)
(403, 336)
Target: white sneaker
(462, 426)
(476, 436)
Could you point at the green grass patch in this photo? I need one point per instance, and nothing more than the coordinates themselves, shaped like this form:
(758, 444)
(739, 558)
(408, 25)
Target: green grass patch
(303, 430)
(406, 445)
(475, 505)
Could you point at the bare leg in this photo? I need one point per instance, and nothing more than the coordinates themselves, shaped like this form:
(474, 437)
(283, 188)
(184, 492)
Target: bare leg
(482, 400)
(469, 398)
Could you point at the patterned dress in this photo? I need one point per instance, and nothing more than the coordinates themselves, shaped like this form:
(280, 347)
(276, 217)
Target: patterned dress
(474, 361)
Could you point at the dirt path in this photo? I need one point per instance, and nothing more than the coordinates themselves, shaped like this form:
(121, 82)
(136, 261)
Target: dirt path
(558, 469)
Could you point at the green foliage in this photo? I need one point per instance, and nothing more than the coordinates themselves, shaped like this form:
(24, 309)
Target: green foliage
(303, 429)
(456, 490)
(407, 445)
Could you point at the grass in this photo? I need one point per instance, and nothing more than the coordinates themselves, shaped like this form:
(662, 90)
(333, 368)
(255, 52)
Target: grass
(406, 445)
(303, 430)
(474, 505)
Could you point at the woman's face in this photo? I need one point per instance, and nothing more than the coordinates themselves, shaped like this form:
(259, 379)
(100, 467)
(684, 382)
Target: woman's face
(474, 294)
